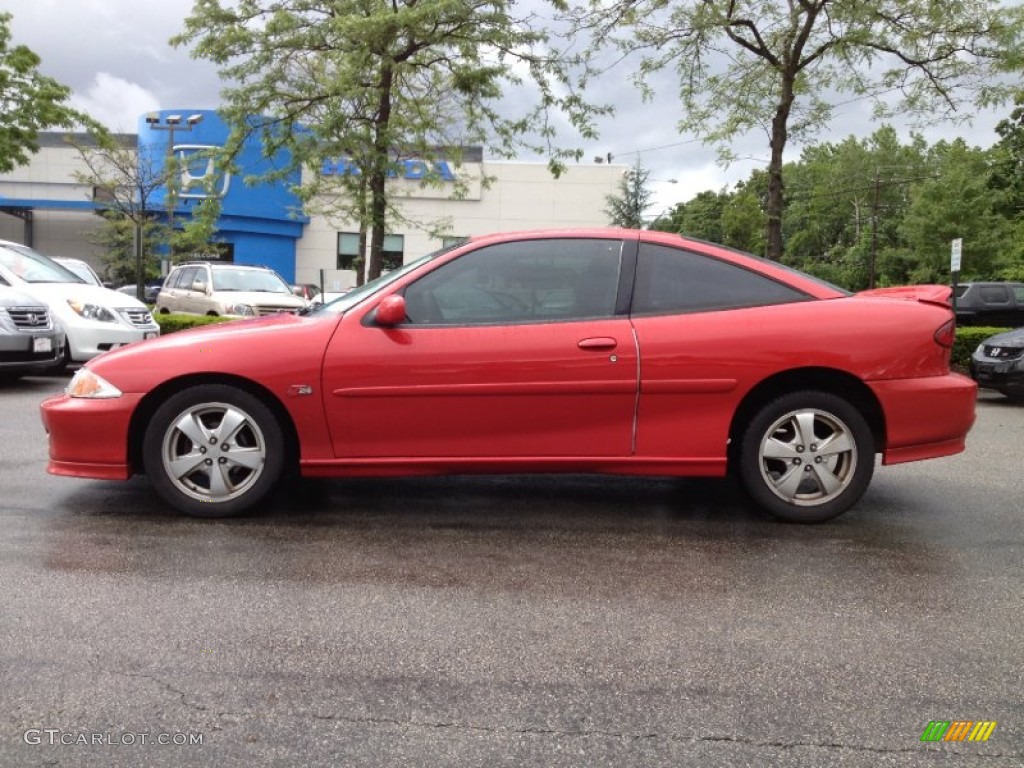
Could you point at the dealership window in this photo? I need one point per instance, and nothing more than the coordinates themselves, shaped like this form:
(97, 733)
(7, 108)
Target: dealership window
(393, 252)
(348, 249)
(452, 241)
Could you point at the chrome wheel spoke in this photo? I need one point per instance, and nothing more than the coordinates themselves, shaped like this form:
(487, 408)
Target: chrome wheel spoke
(838, 442)
(803, 425)
(229, 426)
(250, 458)
(190, 426)
(220, 485)
(827, 481)
(774, 448)
(186, 464)
(788, 485)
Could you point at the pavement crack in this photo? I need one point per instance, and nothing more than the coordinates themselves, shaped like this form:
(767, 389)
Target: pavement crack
(599, 733)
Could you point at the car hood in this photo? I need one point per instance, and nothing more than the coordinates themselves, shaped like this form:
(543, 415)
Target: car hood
(258, 349)
(1014, 338)
(261, 298)
(93, 294)
(9, 297)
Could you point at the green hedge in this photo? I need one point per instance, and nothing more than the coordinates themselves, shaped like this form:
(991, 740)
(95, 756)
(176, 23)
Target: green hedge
(967, 340)
(175, 322)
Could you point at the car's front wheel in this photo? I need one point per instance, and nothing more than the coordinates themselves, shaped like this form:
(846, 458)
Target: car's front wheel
(807, 457)
(214, 451)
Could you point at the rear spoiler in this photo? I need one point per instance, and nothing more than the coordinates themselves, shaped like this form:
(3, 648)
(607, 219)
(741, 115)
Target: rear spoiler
(926, 294)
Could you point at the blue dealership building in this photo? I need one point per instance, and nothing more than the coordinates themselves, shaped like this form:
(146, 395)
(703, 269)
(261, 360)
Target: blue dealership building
(262, 221)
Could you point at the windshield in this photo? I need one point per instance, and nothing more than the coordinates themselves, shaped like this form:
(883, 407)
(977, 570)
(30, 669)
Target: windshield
(356, 295)
(257, 280)
(81, 269)
(32, 267)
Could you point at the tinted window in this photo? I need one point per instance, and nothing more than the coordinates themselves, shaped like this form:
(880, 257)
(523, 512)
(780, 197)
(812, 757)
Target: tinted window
(1018, 292)
(672, 280)
(994, 294)
(529, 281)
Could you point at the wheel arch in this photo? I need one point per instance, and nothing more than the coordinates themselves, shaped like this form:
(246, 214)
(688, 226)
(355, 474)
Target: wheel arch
(154, 399)
(830, 380)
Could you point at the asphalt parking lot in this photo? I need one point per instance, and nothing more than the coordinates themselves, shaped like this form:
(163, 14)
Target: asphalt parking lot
(555, 621)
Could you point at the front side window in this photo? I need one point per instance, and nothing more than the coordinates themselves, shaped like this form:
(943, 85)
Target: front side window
(521, 282)
(670, 280)
(185, 278)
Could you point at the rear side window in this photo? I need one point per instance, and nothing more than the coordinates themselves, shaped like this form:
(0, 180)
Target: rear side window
(994, 294)
(671, 280)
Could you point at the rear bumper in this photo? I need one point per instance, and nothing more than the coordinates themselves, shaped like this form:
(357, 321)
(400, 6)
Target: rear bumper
(925, 418)
(89, 438)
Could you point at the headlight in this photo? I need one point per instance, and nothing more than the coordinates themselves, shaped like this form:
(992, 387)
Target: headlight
(240, 309)
(87, 384)
(92, 311)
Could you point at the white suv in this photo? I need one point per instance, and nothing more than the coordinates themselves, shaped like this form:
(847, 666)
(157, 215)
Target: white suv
(233, 290)
(95, 319)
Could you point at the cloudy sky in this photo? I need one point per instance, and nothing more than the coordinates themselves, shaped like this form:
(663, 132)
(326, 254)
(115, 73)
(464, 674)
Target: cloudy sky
(115, 56)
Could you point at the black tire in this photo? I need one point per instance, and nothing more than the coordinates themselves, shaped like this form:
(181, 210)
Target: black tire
(183, 446)
(807, 457)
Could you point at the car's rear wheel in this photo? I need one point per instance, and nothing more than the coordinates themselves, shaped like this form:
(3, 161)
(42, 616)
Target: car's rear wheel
(214, 451)
(807, 457)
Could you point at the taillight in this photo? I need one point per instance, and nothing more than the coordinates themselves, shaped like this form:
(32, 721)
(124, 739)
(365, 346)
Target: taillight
(946, 334)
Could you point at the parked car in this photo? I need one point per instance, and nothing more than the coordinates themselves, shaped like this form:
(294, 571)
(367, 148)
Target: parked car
(203, 288)
(31, 341)
(615, 351)
(996, 304)
(80, 268)
(150, 291)
(94, 319)
(998, 363)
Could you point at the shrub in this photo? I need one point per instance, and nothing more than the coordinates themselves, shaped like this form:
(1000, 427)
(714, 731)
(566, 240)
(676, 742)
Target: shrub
(967, 339)
(176, 322)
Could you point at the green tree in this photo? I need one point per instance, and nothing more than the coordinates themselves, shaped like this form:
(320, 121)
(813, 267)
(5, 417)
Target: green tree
(376, 81)
(30, 102)
(130, 187)
(626, 209)
(779, 66)
(955, 203)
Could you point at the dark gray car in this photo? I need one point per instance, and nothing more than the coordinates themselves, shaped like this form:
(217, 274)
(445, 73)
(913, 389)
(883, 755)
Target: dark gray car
(30, 338)
(998, 363)
(997, 304)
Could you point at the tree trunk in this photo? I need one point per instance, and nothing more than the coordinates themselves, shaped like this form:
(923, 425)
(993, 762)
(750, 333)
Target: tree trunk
(780, 121)
(379, 173)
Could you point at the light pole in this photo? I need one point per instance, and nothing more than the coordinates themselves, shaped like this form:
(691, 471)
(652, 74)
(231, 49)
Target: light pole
(171, 123)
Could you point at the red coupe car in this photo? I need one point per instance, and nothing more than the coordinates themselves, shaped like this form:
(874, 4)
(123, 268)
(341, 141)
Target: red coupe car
(611, 351)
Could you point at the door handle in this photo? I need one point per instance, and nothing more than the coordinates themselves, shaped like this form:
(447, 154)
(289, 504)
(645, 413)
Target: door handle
(597, 342)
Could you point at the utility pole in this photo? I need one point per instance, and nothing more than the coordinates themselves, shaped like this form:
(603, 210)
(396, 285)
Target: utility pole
(171, 124)
(874, 230)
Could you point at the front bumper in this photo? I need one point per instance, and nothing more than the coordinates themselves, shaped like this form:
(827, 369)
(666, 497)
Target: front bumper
(925, 418)
(86, 340)
(29, 352)
(1003, 375)
(89, 437)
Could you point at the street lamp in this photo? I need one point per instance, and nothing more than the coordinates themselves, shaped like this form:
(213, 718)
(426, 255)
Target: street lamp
(171, 123)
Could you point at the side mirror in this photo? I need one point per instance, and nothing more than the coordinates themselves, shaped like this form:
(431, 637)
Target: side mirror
(199, 285)
(391, 311)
